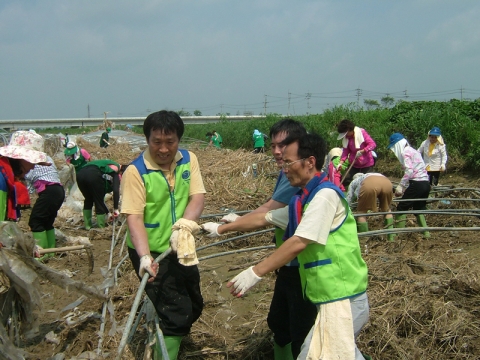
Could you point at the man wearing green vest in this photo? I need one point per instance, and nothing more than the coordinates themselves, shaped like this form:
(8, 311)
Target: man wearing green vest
(320, 231)
(162, 188)
(95, 179)
(290, 316)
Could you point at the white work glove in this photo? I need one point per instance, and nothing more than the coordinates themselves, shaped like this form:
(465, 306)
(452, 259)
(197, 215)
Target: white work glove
(113, 216)
(174, 240)
(399, 190)
(243, 281)
(442, 168)
(229, 218)
(358, 154)
(146, 262)
(339, 166)
(211, 228)
(36, 249)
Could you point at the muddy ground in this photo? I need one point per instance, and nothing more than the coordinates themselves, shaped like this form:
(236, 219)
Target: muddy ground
(424, 293)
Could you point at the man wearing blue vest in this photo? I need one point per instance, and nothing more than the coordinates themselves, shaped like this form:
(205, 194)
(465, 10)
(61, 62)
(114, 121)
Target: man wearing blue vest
(320, 231)
(290, 316)
(161, 189)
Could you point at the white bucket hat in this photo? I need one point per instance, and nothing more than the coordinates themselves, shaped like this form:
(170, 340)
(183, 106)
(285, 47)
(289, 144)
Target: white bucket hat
(26, 145)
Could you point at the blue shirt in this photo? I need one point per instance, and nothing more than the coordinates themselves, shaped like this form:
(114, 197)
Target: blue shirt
(283, 192)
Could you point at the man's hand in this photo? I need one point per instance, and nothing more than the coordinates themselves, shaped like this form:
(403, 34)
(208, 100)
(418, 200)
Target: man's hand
(229, 218)
(211, 228)
(399, 190)
(174, 241)
(242, 282)
(147, 265)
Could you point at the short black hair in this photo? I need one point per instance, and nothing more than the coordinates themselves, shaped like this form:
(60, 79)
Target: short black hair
(345, 125)
(168, 122)
(289, 126)
(309, 145)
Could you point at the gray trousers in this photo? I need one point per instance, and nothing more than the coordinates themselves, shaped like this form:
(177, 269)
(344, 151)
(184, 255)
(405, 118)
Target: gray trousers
(360, 312)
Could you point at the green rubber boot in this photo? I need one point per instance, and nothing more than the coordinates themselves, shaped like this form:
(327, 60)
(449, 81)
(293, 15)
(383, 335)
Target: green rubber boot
(282, 353)
(423, 223)
(400, 221)
(172, 344)
(389, 225)
(51, 241)
(42, 241)
(362, 227)
(87, 219)
(101, 220)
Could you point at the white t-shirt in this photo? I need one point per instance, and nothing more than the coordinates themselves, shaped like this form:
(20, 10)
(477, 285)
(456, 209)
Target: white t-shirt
(324, 213)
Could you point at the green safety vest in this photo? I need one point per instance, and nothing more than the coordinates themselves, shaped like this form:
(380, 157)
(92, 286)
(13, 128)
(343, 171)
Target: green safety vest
(79, 163)
(106, 170)
(163, 207)
(337, 270)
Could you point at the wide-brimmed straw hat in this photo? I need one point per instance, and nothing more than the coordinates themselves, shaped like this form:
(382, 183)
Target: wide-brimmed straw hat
(26, 145)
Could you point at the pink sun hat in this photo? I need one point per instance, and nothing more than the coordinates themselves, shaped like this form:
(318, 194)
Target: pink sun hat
(26, 145)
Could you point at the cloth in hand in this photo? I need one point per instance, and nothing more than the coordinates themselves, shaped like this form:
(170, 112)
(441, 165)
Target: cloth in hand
(186, 241)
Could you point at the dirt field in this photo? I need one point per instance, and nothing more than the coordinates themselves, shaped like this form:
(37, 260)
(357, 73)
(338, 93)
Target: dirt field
(424, 293)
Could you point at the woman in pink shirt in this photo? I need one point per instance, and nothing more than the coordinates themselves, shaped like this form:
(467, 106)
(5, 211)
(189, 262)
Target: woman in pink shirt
(358, 147)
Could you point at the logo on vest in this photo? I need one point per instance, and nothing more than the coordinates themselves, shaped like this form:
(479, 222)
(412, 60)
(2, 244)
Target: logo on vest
(186, 175)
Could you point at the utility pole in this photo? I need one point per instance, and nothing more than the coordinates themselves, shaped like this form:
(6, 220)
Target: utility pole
(289, 95)
(88, 110)
(308, 96)
(265, 106)
(359, 93)
(405, 93)
(461, 92)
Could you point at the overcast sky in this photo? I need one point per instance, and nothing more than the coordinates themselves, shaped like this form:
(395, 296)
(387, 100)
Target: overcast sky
(134, 57)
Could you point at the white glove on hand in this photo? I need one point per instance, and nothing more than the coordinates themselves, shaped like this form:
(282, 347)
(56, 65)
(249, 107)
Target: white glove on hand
(339, 167)
(442, 168)
(229, 218)
(211, 228)
(36, 249)
(399, 190)
(174, 241)
(243, 281)
(116, 213)
(146, 262)
(358, 154)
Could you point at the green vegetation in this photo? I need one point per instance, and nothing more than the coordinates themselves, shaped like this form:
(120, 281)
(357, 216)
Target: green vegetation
(458, 120)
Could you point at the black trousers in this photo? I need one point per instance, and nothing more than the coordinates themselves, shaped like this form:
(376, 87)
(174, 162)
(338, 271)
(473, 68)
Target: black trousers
(291, 316)
(433, 176)
(415, 190)
(46, 207)
(92, 185)
(175, 293)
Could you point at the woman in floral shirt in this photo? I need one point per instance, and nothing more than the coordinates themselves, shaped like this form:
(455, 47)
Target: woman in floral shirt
(414, 184)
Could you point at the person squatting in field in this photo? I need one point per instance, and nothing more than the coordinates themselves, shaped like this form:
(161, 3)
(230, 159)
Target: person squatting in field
(290, 316)
(367, 189)
(76, 156)
(358, 148)
(163, 197)
(320, 231)
(434, 154)
(44, 180)
(414, 183)
(24, 151)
